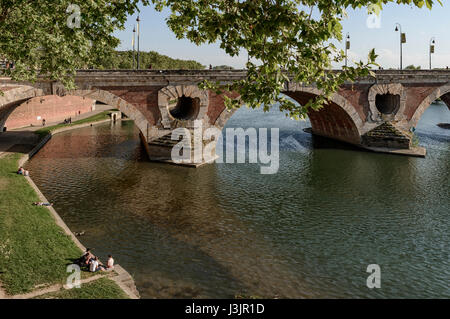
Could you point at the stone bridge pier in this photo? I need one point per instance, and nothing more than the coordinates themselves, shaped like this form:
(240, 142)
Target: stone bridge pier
(185, 106)
(377, 113)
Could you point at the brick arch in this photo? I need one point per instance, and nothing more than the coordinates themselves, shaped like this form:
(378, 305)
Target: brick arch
(125, 107)
(15, 96)
(441, 92)
(223, 118)
(218, 115)
(338, 119)
(12, 97)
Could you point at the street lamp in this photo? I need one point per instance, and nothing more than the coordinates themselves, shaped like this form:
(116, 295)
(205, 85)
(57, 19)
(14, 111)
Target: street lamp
(132, 42)
(347, 46)
(138, 34)
(432, 42)
(398, 27)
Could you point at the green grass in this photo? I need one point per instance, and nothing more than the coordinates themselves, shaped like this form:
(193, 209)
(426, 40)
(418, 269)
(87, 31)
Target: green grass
(33, 249)
(102, 288)
(95, 118)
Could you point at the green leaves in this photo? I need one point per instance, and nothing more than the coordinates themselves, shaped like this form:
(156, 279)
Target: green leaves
(41, 36)
(124, 60)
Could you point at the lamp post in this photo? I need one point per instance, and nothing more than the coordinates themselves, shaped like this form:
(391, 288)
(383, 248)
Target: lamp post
(132, 43)
(432, 42)
(398, 27)
(138, 34)
(347, 47)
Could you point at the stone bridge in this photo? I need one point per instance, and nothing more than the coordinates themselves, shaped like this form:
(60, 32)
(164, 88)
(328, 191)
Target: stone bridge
(377, 113)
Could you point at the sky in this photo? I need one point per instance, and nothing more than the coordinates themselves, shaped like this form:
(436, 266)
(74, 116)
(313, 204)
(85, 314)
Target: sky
(420, 25)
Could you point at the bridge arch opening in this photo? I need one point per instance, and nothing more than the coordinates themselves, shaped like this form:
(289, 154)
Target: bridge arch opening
(433, 127)
(336, 120)
(16, 96)
(387, 103)
(186, 108)
(12, 97)
(440, 94)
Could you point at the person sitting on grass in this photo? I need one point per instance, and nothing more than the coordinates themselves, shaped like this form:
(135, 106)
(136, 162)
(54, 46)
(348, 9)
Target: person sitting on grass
(20, 171)
(84, 260)
(93, 267)
(110, 264)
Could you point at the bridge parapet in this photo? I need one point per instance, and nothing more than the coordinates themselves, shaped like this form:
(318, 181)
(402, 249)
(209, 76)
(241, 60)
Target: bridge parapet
(168, 77)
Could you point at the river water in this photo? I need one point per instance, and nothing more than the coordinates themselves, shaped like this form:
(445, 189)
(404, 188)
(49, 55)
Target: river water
(224, 230)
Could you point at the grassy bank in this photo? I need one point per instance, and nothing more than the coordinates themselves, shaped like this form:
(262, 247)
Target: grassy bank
(95, 118)
(101, 287)
(34, 250)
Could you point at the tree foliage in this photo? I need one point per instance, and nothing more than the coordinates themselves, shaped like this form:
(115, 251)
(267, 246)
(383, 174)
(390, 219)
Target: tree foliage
(413, 67)
(222, 67)
(286, 40)
(124, 60)
(44, 36)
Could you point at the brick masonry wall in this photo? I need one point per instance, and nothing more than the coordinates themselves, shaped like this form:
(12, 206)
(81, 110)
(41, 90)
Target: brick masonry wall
(217, 104)
(144, 98)
(52, 108)
(332, 121)
(415, 96)
(357, 95)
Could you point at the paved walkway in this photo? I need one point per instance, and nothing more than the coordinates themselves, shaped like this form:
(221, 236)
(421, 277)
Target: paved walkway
(98, 109)
(53, 288)
(118, 275)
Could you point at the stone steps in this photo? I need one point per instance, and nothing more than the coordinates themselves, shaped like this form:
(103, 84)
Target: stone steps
(387, 136)
(166, 140)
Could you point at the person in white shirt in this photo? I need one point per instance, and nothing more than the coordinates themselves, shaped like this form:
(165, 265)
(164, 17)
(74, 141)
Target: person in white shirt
(110, 264)
(93, 267)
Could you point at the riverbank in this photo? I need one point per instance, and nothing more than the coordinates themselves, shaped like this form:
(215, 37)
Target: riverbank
(35, 244)
(58, 128)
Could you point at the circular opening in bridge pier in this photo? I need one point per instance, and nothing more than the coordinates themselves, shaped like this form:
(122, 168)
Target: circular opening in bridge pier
(387, 103)
(186, 108)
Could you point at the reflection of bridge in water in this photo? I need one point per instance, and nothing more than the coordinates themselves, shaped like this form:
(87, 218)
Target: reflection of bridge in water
(374, 112)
